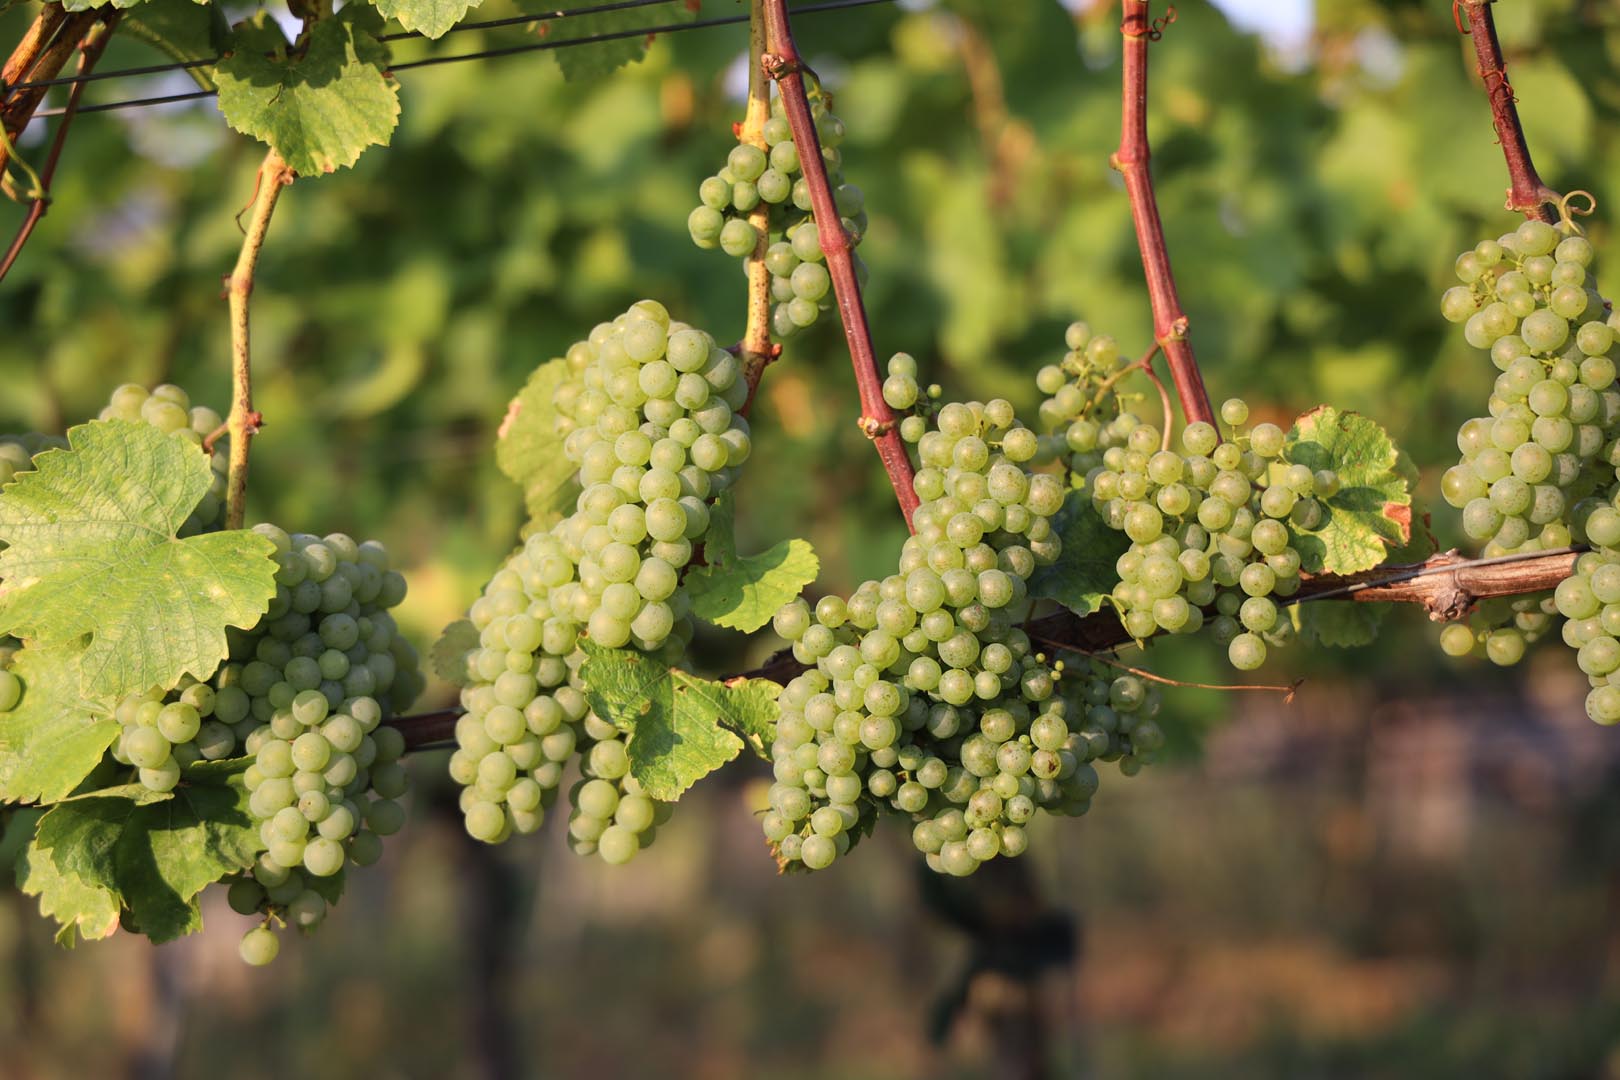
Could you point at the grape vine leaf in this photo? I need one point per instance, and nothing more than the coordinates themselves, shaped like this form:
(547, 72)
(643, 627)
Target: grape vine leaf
(449, 654)
(529, 450)
(743, 592)
(430, 18)
(93, 551)
(681, 727)
(1372, 511)
(319, 108)
(1343, 624)
(96, 857)
(52, 740)
(628, 35)
(86, 5)
(1084, 574)
(71, 867)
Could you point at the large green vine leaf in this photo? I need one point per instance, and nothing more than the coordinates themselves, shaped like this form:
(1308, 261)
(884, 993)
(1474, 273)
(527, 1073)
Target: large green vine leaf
(93, 551)
(603, 58)
(529, 446)
(1084, 574)
(93, 858)
(743, 592)
(1372, 511)
(431, 18)
(681, 727)
(319, 108)
(54, 737)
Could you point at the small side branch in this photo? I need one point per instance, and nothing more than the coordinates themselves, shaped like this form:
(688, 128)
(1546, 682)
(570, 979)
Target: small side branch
(1528, 195)
(243, 423)
(90, 50)
(1132, 160)
(784, 64)
(757, 352)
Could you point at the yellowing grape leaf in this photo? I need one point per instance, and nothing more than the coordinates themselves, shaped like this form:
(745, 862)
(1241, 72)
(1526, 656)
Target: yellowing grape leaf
(93, 552)
(1372, 511)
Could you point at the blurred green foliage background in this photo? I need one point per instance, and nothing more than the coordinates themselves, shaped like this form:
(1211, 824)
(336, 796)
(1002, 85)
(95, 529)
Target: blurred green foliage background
(1411, 871)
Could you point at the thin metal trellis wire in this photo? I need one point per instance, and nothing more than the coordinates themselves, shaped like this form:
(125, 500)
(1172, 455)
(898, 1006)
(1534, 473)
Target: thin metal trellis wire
(432, 61)
(488, 24)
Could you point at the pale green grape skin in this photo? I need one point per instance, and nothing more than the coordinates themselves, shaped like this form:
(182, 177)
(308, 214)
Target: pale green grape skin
(10, 691)
(259, 946)
(1457, 640)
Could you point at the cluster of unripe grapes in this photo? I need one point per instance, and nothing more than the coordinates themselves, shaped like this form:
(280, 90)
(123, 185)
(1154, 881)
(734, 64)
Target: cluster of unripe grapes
(304, 692)
(924, 696)
(1081, 410)
(648, 417)
(1538, 473)
(1210, 523)
(771, 179)
(1530, 300)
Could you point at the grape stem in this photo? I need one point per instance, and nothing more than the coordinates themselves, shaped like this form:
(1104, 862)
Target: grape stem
(1132, 160)
(40, 56)
(90, 50)
(783, 64)
(1164, 405)
(756, 349)
(243, 423)
(1447, 585)
(1287, 691)
(1528, 195)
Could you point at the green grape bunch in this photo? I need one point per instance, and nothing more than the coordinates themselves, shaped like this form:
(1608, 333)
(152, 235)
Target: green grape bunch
(1530, 300)
(924, 696)
(1082, 412)
(801, 288)
(1539, 472)
(649, 421)
(304, 693)
(1211, 523)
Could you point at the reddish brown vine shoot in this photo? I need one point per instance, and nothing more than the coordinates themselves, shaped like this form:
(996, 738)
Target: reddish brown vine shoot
(90, 50)
(1528, 195)
(1132, 160)
(878, 422)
